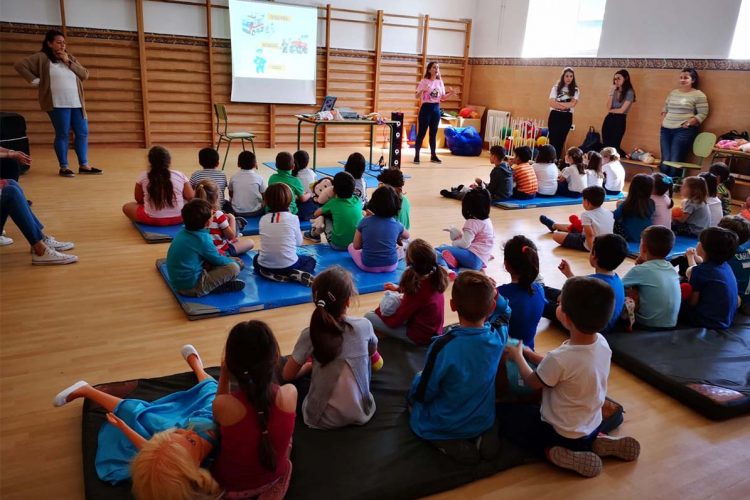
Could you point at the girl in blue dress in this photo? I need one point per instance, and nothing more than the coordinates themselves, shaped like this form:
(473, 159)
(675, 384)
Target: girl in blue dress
(162, 443)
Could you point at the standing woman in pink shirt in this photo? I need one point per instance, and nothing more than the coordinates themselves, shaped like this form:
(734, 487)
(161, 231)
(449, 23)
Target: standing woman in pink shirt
(431, 91)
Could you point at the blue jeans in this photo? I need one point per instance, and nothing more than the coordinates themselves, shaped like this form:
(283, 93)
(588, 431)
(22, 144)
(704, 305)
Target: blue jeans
(429, 117)
(675, 146)
(304, 263)
(466, 258)
(13, 203)
(62, 120)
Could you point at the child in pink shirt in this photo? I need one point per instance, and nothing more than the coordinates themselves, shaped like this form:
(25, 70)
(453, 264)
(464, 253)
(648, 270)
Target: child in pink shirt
(471, 247)
(662, 197)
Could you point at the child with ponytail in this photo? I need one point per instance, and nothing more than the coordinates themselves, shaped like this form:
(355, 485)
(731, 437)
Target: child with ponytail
(418, 312)
(662, 197)
(256, 420)
(524, 294)
(223, 227)
(343, 350)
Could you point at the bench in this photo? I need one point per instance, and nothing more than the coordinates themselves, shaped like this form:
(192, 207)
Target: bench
(633, 167)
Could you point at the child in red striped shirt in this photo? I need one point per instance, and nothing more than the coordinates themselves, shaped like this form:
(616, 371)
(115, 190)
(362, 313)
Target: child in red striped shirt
(223, 227)
(524, 176)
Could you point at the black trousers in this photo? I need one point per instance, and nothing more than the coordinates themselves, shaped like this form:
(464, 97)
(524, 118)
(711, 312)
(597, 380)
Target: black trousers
(429, 117)
(10, 168)
(559, 123)
(613, 130)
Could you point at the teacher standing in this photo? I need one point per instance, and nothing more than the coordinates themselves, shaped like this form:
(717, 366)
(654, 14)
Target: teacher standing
(684, 110)
(562, 99)
(432, 93)
(58, 75)
(621, 96)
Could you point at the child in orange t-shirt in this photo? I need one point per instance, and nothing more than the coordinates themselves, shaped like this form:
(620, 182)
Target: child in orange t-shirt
(524, 176)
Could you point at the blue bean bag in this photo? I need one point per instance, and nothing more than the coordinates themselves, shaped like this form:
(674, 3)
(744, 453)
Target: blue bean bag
(463, 141)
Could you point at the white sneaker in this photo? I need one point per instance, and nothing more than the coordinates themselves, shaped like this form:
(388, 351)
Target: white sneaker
(52, 257)
(60, 246)
(4, 241)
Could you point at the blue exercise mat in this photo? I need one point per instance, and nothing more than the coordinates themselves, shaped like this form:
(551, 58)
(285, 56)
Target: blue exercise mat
(260, 293)
(164, 234)
(373, 169)
(681, 244)
(548, 201)
(370, 181)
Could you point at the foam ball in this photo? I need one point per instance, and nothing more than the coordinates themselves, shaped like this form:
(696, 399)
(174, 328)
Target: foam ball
(506, 132)
(377, 361)
(544, 131)
(465, 112)
(516, 133)
(508, 143)
(542, 141)
(474, 114)
(677, 212)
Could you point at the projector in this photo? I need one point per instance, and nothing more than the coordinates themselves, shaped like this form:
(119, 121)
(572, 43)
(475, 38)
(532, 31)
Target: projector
(348, 113)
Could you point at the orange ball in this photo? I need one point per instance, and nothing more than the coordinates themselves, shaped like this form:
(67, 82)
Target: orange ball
(677, 212)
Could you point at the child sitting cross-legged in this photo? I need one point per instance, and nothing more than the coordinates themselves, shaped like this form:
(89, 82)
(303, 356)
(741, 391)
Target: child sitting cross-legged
(740, 262)
(375, 247)
(342, 214)
(607, 253)
(417, 312)
(208, 158)
(524, 177)
(580, 234)
(284, 166)
(614, 173)
(356, 165)
(636, 213)
(501, 179)
(653, 283)
(344, 352)
(223, 227)
(524, 295)
(306, 177)
(452, 400)
(712, 301)
(546, 170)
(573, 379)
(573, 178)
(280, 236)
(246, 187)
(395, 178)
(471, 247)
(194, 265)
(694, 216)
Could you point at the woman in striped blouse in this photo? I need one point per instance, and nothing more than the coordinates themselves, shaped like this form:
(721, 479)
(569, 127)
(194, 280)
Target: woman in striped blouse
(684, 110)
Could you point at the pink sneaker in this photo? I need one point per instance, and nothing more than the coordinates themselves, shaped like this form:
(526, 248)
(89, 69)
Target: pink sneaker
(449, 259)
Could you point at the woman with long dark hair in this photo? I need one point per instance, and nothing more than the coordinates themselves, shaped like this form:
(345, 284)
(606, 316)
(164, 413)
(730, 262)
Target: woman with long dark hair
(432, 92)
(58, 75)
(684, 110)
(619, 100)
(562, 99)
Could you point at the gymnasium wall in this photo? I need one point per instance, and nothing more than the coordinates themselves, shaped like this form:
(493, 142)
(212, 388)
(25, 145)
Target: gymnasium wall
(161, 91)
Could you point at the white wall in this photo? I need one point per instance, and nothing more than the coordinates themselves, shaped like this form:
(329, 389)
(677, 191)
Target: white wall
(31, 11)
(499, 27)
(668, 28)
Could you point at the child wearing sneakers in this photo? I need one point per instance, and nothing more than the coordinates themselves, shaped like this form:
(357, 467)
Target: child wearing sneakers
(573, 379)
(713, 298)
(342, 214)
(194, 265)
(501, 179)
(452, 400)
(280, 236)
(208, 158)
(284, 165)
(596, 220)
(471, 247)
(607, 253)
(246, 187)
(654, 282)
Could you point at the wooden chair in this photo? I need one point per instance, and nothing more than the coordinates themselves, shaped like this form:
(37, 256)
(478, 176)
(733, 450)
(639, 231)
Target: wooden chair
(702, 146)
(224, 135)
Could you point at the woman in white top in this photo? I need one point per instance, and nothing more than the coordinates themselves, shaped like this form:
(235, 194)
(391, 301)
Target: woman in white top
(614, 173)
(546, 171)
(431, 92)
(562, 99)
(573, 178)
(58, 76)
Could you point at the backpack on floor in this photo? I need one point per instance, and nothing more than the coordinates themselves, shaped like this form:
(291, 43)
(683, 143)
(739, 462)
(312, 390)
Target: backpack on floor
(592, 142)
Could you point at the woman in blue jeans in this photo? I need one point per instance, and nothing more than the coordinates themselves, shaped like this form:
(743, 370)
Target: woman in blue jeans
(432, 92)
(684, 110)
(58, 76)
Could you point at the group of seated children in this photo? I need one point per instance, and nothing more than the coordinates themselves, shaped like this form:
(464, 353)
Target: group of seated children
(525, 180)
(161, 445)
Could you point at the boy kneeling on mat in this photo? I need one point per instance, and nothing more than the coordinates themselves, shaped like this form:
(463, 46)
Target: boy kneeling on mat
(453, 399)
(194, 265)
(573, 379)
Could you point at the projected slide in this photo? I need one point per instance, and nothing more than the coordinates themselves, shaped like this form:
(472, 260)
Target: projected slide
(273, 52)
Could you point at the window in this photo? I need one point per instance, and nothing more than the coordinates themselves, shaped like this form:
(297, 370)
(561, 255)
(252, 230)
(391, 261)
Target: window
(741, 41)
(563, 28)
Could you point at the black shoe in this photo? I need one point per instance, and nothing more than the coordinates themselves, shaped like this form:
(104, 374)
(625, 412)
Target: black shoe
(547, 222)
(241, 223)
(66, 172)
(89, 171)
(416, 159)
(435, 159)
(230, 286)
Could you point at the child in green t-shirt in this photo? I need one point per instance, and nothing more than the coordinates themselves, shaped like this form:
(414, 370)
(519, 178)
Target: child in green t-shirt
(284, 164)
(342, 214)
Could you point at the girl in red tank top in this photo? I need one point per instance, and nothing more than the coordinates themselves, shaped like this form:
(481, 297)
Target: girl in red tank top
(257, 420)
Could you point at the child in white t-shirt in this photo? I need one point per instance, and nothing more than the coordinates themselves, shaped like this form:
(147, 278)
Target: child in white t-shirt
(614, 173)
(546, 171)
(280, 236)
(594, 171)
(246, 187)
(580, 234)
(573, 379)
(713, 201)
(307, 178)
(573, 178)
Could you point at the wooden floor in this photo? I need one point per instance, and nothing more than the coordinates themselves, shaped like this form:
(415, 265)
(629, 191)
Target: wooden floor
(110, 317)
